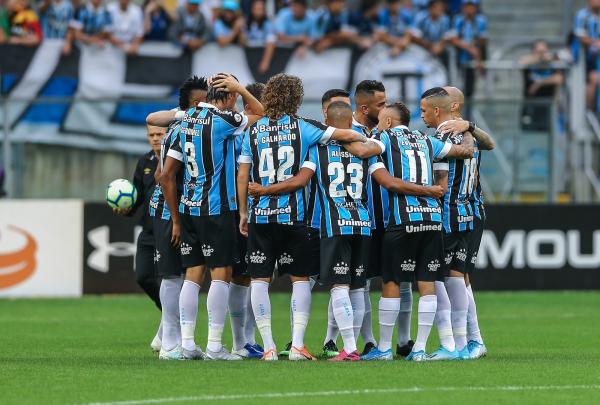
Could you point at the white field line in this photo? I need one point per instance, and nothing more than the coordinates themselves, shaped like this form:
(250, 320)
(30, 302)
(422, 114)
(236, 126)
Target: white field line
(271, 395)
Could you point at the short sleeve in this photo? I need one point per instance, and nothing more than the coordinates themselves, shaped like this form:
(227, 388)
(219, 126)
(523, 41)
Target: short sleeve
(175, 147)
(281, 22)
(482, 26)
(580, 29)
(313, 159)
(375, 163)
(220, 29)
(232, 123)
(440, 149)
(246, 153)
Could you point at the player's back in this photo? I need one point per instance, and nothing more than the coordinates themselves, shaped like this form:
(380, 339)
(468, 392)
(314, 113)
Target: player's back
(410, 156)
(458, 212)
(207, 144)
(276, 149)
(341, 187)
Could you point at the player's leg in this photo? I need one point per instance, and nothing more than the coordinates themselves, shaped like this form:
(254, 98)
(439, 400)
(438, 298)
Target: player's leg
(293, 261)
(170, 269)
(193, 260)
(171, 337)
(443, 321)
(335, 258)
(374, 270)
(146, 277)
(457, 292)
(429, 262)
(475, 343)
(219, 248)
(395, 251)
(261, 262)
(403, 342)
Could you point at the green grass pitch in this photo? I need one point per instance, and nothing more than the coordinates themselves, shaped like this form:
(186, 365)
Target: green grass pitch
(543, 348)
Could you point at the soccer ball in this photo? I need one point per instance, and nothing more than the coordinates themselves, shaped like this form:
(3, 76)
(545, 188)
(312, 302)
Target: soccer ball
(121, 193)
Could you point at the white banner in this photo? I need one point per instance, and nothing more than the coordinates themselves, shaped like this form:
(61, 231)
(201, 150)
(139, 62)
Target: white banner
(40, 248)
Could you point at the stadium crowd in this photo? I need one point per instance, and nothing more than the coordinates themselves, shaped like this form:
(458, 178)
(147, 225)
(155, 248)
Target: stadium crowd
(192, 23)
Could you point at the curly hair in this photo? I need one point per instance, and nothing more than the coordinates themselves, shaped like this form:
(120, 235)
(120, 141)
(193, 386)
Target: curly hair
(193, 83)
(283, 95)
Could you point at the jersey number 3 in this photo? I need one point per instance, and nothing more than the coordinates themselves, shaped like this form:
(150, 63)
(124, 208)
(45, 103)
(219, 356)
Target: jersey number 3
(192, 165)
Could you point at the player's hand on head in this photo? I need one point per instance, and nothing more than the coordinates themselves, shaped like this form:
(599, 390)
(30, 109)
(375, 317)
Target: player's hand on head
(255, 190)
(225, 82)
(121, 211)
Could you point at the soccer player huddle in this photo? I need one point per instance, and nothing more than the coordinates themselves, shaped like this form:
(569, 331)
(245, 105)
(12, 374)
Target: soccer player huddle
(244, 194)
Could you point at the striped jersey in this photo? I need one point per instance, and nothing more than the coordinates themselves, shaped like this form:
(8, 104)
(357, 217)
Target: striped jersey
(56, 18)
(430, 29)
(158, 205)
(458, 212)
(206, 148)
(341, 190)
(409, 156)
(276, 149)
(378, 200)
(477, 198)
(93, 21)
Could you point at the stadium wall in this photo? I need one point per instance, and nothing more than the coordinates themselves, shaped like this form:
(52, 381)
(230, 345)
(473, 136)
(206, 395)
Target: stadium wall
(66, 248)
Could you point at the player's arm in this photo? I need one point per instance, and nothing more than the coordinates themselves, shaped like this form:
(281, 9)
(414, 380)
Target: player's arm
(465, 150)
(242, 190)
(364, 150)
(290, 185)
(484, 140)
(441, 178)
(398, 186)
(168, 183)
(163, 118)
(347, 135)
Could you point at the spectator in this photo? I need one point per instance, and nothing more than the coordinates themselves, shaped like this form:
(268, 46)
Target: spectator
(210, 10)
(229, 26)
(56, 16)
(191, 29)
(468, 34)
(431, 28)
(127, 25)
(541, 81)
(261, 32)
(93, 24)
(366, 19)
(587, 29)
(419, 5)
(395, 22)
(4, 24)
(157, 21)
(294, 24)
(25, 28)
(333, 28)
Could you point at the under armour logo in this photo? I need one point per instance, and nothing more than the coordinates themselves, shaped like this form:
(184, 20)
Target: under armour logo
(99, 238)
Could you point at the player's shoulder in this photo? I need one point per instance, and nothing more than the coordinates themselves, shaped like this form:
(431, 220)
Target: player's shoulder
(582, 13)
(231, 117)
(310, 121)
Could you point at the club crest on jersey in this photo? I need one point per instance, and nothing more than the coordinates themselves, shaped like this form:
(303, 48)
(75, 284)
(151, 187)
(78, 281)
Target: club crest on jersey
(474, 258)
(408, 265)
(157, 256)
(207, 250)
(341, 268)
(258, 257)
(286, 259)
(434, 265)
(185, 249)
(359, 270)
(461, 255)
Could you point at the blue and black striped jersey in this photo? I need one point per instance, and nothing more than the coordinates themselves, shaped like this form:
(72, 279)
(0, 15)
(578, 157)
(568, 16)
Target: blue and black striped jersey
(409, 156)
(313, 206)
(158, 205)
(477, 199)
(56, 19)
(378, 200)
(341, 189)
(457, 209)
(207, 149)
(276, 149)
